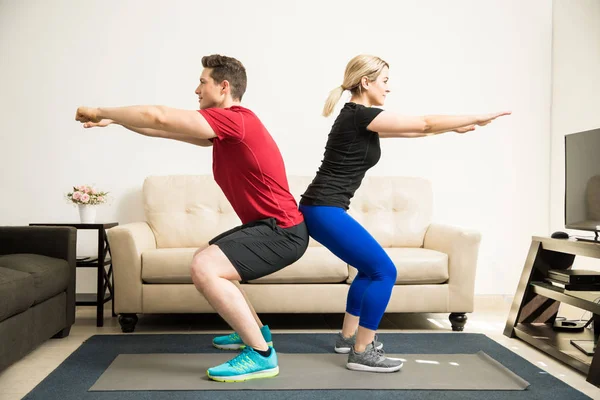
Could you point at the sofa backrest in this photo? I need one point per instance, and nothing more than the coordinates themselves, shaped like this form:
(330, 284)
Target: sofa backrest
(189, 210)
(395, 210)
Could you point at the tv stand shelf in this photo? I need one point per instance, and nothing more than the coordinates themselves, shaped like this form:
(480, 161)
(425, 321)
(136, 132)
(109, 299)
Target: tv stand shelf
(536, 304)
(564, 296)
(557, 344)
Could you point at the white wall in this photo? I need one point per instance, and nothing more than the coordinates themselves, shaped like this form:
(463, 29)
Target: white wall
(575, 94)
(468, 56)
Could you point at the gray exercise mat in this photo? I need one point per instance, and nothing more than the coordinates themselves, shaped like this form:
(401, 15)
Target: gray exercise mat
(130, 372)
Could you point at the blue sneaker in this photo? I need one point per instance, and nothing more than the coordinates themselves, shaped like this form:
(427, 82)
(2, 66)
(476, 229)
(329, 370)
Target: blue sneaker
(247, 365)
(234, 341)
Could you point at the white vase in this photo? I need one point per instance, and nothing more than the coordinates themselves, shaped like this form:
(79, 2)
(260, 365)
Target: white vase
(87, 213)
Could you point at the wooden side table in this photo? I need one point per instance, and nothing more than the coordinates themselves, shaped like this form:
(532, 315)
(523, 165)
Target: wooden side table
(536, 303)
(104, 291)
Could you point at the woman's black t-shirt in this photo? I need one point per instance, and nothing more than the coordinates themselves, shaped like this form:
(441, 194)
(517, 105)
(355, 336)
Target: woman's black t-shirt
(350, 151)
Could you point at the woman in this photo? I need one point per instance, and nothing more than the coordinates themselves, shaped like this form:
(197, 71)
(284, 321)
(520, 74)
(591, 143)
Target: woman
(352, 148)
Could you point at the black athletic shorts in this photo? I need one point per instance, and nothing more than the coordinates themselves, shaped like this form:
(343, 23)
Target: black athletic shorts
(259, 248)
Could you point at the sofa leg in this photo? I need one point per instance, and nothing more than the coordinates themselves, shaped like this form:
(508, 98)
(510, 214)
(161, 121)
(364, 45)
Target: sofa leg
(458, 321)
(62, 334)
(127, 322)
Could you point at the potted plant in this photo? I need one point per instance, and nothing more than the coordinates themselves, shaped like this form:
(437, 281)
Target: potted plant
(86, 198)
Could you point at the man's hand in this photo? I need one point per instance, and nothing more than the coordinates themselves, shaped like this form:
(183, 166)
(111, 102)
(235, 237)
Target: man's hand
(101, 124)
(87, 114)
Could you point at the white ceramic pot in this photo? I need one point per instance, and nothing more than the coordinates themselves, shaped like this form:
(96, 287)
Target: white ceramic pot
(87, 213)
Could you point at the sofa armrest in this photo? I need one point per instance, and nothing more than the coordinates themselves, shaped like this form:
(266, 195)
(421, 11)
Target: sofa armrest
(127, 243)
(51, 241)
(462, 248)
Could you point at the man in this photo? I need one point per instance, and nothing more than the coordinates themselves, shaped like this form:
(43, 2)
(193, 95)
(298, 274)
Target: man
(248, 167)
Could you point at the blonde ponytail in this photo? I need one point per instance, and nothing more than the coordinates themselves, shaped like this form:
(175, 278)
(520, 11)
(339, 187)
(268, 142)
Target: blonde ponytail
(359, 67)
(334, 96)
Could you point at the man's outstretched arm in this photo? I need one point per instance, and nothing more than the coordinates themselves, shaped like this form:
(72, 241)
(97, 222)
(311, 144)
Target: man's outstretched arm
(153, 133)
(161, 118)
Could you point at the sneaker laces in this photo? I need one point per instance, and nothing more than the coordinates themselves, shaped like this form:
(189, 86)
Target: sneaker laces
(377, 354)
(241, 360)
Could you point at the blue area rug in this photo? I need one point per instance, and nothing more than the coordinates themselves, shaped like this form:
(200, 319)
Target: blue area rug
(72, 379)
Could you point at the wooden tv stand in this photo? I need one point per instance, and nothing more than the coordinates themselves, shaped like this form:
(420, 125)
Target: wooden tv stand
(536, 303)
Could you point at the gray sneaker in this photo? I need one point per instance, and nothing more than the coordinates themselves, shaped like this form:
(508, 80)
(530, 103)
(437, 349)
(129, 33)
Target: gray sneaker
(372, 360)
(343, 345)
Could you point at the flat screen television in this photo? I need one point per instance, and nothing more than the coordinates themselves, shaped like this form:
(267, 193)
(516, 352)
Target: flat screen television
(582, 181)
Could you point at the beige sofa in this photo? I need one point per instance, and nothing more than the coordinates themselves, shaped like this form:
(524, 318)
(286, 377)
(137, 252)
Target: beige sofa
(151, 259)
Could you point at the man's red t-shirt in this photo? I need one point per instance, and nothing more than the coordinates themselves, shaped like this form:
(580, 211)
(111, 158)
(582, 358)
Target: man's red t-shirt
(248, 167)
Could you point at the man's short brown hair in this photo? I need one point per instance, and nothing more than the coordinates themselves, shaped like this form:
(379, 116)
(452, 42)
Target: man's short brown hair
(227, 69)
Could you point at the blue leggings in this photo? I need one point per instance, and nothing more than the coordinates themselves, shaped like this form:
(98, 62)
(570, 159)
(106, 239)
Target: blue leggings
(371, 290)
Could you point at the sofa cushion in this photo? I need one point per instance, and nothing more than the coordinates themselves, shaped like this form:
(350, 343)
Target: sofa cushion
(186, 210)
(317, 265)
(167, 265)
(189, 210)
(415, 266)
(16, 292)
(395, 210)
(50, 275)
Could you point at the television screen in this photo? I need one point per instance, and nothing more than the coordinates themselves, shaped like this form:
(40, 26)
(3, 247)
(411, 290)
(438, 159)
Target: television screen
(582, 180)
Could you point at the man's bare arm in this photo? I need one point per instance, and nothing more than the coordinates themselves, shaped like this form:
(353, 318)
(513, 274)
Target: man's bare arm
(162, 118)
(154, 133)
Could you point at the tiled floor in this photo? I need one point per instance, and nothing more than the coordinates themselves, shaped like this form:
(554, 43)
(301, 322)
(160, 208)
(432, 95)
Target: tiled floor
(489, 318)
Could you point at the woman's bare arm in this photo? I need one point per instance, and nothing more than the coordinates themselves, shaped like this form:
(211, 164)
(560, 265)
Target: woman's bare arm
(388, 124)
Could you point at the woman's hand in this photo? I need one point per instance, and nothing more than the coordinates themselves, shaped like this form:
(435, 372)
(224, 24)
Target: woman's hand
(465, 129)
(487, 118)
